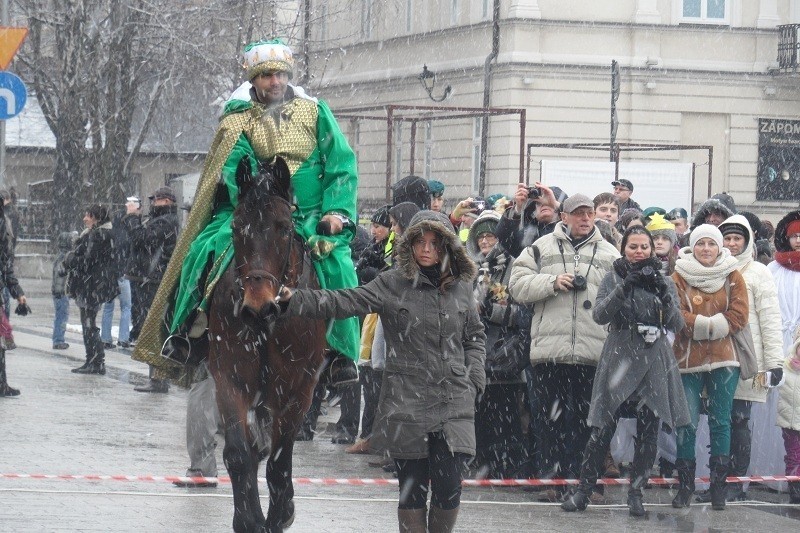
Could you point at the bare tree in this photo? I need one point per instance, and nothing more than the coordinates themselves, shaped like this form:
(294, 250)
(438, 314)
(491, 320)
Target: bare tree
(112, 76)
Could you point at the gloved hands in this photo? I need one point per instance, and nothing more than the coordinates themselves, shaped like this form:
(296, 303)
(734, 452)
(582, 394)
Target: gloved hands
(776, 376)
(632, 280)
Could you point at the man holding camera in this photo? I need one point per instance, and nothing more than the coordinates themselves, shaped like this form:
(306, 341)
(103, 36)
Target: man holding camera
(535, 213)
(560, 274)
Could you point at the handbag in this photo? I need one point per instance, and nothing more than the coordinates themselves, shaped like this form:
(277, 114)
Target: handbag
(745, 353)
(744, 347)
(507, 351)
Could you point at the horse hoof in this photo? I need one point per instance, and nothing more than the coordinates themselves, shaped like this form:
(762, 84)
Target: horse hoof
(289, 510)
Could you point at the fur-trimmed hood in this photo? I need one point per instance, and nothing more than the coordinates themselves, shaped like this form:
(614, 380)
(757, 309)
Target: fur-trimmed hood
(748, 254)
(781, 239)
(712, 204)
(456, 257)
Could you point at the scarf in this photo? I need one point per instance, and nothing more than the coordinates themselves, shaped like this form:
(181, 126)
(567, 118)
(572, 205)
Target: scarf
(706, 279)
(790, 259)
(433, 273)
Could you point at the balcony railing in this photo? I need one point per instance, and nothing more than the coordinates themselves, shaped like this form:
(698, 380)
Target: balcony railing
(789, 47)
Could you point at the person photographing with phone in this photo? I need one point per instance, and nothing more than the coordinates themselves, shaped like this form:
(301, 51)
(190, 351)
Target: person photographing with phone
(560, 274)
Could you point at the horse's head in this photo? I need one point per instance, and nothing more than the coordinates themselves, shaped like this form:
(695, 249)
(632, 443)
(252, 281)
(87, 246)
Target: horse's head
(263, 234)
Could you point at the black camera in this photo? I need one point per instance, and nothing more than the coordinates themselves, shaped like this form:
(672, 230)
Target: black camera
(648, 272)
(534, 192)
(579, 283)
(480, 205)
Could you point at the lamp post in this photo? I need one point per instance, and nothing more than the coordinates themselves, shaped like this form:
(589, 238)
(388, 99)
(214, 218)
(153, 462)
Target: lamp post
(428, 81)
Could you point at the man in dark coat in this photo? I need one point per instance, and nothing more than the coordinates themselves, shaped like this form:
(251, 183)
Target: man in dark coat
(529, 218)
(152, 244)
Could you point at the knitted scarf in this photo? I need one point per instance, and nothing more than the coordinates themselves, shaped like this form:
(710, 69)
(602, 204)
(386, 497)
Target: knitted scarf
(790, 259)
(706, 279)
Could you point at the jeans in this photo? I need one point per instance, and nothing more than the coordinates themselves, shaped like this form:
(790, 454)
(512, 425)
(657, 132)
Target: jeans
(720, 385)
(791, 442)
(61, 305)
(125, 316)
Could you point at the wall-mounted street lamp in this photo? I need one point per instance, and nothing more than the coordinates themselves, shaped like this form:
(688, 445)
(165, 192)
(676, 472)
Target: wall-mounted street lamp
(428, 80)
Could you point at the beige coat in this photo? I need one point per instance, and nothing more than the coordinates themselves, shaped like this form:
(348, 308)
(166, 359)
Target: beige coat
(562, 330)
(789, 394)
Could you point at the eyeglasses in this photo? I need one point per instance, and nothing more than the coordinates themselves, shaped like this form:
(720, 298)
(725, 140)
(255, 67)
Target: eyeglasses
(486, 237)
(618, 188)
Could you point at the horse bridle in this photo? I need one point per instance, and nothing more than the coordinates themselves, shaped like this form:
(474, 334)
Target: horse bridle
(272, 279)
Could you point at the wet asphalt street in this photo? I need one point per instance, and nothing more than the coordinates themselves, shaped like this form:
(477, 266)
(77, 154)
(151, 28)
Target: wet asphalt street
(65, 423)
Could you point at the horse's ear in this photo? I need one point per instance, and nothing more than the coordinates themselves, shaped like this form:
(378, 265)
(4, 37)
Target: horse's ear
(244, 176)
(283, 178)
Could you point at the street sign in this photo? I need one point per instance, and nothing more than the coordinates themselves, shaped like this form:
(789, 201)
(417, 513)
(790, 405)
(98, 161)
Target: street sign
(10, 41)
(13, 95)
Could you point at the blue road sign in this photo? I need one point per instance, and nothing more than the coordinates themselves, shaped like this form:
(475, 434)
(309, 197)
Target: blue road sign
(13, 95)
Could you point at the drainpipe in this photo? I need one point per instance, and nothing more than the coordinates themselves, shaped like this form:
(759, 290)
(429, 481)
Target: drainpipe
(487, 91)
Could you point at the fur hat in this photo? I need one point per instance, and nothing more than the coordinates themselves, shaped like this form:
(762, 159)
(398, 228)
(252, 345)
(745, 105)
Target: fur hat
(268, 56)
(705, 230)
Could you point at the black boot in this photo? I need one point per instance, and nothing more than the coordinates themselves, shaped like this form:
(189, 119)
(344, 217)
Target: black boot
(719, 466)
(740, 457)
(92, 368)
(592, 466)
(643, 457)
(5, 389)
(686, 469)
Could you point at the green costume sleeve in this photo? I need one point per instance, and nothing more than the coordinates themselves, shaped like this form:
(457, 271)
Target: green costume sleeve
(240, 149)
(341, 174)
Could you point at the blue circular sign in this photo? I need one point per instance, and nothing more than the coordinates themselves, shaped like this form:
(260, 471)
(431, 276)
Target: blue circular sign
(13, 95)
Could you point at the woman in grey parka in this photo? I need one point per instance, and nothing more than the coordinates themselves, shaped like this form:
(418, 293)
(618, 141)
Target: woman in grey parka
(637, 372)
(434, 363)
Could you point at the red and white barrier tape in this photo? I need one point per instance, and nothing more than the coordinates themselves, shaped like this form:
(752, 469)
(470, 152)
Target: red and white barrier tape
(378, 481)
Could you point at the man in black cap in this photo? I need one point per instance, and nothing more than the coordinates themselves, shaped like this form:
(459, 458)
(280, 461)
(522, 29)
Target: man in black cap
(152, 243)
(623, 189)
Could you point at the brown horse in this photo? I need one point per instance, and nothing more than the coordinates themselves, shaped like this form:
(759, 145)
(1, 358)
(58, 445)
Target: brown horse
(265, 367)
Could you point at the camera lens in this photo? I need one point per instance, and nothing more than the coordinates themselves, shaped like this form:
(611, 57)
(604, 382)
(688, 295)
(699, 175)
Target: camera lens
(648, 271)
(579, 283)
(534, 192)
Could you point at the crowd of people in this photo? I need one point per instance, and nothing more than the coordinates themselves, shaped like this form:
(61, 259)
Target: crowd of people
(624, 314)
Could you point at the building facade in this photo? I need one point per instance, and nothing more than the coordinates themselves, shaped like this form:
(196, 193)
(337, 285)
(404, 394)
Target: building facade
(691, 72)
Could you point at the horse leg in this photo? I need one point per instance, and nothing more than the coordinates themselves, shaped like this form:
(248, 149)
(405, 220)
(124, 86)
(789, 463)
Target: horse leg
(242, 461)
(279, 481)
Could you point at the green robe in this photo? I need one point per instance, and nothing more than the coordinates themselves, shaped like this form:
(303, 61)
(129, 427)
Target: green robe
(304, 132)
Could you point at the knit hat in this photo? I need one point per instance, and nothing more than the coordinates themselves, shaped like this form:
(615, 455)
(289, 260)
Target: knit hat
(403, 212)
(436, 187)
(268, 56)
(793, 228)
(412, 189)
(485, 224)
(492, 199)
(705, 230)
(660, 226)
(381, 217)
(729, 228)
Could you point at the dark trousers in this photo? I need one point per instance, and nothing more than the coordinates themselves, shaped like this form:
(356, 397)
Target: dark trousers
(142, 295)
(441, 470)
(644, 452)
(741, 437)
(564, 394)
(91, 335)
(498, 430)
(350, 405)
(370, 380)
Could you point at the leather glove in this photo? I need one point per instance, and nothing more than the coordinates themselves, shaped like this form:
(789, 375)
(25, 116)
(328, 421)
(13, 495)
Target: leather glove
(23, 310)
(777, 376)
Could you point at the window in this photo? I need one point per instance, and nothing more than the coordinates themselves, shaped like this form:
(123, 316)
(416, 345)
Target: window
(366, 18)
(705, 11)
(453, 12)
(398, 150)
(486, 11)
(477, 129)
(409, 15)
(323, 22)
(428, 149)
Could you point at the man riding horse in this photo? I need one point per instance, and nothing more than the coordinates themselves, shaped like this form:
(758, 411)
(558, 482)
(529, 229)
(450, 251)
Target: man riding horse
(264, 118)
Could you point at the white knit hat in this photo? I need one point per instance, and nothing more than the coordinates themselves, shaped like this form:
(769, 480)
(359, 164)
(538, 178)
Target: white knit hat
(705, 230)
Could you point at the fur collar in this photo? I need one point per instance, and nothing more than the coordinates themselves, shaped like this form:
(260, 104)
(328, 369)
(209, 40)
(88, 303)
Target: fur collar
(457, 260)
